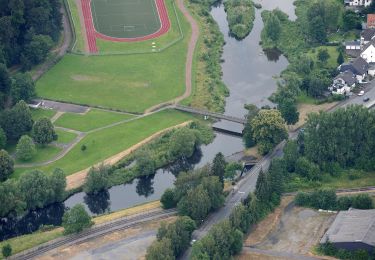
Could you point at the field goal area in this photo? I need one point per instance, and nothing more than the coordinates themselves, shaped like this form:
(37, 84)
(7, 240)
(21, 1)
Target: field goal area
(125, 18)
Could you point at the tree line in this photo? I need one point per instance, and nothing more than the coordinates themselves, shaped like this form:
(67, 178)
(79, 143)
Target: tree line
(225, 239)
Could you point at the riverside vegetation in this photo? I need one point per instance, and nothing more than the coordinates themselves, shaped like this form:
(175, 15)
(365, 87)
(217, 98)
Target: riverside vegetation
(240, 17)
(209, 91)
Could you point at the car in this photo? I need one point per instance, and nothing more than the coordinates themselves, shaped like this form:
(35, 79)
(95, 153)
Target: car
(366, 99)
(361, 93)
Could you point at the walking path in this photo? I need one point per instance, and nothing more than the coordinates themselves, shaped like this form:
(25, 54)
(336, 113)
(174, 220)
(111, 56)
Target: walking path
(189, 59)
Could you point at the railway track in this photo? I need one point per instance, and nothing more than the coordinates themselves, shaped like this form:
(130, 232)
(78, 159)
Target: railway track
(95, 232)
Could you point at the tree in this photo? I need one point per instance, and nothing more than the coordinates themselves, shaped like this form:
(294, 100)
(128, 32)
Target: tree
(57, 182)
(43, 131)
(10, 198)
(37, 50)
(16, 121)
(218, 167)
(25, 149)
(291, 155)
(268, 129)
(160, 250)
(248, 139)
(214, 190)
(168, 199)
(97, 179)
(7, 250)
(317, 30)
(240, 218)
(35, 189)
(340, 58)
(272, 27)
(319, 80)
(76, 219)
(23, 87)
(363, 201)
(196, 204)
(5, 82)
(145, 163)
(289, 112)
(262, 189)
(351, 20)
(3, 139)
(323, 55)
(182, 143)
(6, 165)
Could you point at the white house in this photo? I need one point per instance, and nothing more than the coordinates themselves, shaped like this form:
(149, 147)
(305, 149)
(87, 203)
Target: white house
(368, 52)
(359, 67)
(343, 83)
(364, 3)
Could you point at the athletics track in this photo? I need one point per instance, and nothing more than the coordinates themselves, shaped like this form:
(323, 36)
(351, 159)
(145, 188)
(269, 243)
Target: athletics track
(92, 34)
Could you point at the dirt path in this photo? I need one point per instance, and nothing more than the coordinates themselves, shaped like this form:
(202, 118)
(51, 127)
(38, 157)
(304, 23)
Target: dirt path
(61, 50)
(77, 179)
(189, 58)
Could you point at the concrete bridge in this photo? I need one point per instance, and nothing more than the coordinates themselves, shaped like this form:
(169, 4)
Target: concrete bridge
(210, 114)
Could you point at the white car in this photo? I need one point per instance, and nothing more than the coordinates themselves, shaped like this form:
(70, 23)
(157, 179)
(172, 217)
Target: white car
(361, 93)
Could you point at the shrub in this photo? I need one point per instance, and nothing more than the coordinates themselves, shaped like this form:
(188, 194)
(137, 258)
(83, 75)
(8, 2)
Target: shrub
(25, 148)
(7, 250)
(76, 219)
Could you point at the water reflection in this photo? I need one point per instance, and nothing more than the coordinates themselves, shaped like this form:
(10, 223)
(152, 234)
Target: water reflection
(98, 203)
(272, 54)
(145, 186)
(15, 226)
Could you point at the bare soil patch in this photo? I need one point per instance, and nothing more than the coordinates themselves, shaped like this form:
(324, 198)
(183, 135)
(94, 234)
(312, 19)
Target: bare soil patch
(85, 78)
(305, 109)
(257, 256)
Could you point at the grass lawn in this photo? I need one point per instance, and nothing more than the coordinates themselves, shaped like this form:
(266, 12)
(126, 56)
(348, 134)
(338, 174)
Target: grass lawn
(43, 154)
(303, 98)
(161, 42)
(37, 113)
(91, 120)
(108, 142)
(340, 37)
(333, 54)
(127, 82)
(79, 44)
(65, 137)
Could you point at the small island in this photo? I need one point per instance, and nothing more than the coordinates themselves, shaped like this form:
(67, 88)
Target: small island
(240, 16)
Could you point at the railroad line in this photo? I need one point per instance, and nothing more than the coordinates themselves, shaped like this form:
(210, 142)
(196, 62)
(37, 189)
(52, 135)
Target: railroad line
(95, 232)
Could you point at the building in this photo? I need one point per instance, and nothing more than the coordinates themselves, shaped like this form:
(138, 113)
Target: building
(352, 230)
(367, 35)
(359, 67)
(364, 3)
(343, 83)
(353, 45)
(371, 21)
(368, 51)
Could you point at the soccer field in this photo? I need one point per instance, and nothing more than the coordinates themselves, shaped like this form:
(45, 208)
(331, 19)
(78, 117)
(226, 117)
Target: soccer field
(125, 18)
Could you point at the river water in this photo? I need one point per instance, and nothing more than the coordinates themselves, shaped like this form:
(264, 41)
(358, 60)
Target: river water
(249, 74)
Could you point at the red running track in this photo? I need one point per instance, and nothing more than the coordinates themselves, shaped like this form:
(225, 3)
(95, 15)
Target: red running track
(92, 34)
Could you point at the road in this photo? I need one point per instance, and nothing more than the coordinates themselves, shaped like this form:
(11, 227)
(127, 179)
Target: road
(94, 232)
(247, 184)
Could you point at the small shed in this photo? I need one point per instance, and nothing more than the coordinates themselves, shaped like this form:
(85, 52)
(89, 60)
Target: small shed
(352, 229)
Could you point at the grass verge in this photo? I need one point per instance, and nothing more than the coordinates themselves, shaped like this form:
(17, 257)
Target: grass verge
(38, 113)
(91, 120)
(110, 141)
(65, 137)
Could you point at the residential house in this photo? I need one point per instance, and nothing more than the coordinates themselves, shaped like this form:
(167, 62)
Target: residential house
(367, 35)
(371, 21)
(364, 3)
(352, 230)
(359, 67)
(343, 83)
(353, 45)
(368, 51)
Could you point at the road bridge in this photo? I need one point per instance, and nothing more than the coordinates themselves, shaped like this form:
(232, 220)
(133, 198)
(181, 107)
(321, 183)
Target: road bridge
(210, 114)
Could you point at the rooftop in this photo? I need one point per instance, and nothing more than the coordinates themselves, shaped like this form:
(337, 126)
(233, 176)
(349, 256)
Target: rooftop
(371, 21)
(352, 225)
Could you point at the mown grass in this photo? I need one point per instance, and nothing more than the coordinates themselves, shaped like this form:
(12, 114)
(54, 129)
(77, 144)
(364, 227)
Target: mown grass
(332, 52)
(38, 113)
(93, 119)
(110, 141)
(43, 154)
(64, 137)
(126, 82)
(161, 42)
(73, 8)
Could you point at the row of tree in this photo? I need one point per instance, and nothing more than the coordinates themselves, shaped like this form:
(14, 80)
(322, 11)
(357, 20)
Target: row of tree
(224, 240)
(32, 190)
(327, 199)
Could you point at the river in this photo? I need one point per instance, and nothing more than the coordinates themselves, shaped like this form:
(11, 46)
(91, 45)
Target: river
(249, 74)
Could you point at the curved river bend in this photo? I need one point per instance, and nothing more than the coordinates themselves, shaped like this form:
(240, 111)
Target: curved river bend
(249, 74)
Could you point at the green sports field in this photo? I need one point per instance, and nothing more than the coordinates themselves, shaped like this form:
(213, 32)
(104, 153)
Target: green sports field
(125, 19)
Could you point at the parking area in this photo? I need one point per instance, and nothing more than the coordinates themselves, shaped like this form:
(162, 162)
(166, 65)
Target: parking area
(62, 107)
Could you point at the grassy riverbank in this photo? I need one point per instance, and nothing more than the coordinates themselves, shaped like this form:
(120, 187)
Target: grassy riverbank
(209, 91)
